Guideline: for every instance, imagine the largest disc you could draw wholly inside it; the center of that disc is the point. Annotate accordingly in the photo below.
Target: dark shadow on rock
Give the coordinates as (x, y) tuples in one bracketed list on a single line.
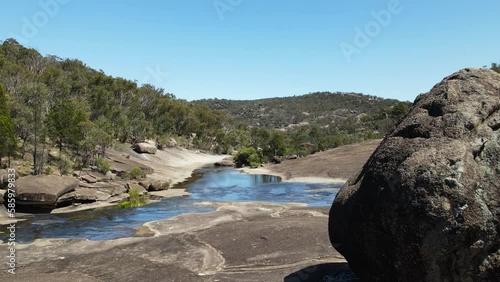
[(327, 272)]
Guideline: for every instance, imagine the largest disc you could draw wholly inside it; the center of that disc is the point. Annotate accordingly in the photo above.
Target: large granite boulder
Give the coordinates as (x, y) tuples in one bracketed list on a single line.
[(145, 148), (43, 190), (426, 204)]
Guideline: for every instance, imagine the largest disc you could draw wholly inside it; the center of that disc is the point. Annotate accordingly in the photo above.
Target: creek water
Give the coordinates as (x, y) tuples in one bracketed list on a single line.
[(206, 185)]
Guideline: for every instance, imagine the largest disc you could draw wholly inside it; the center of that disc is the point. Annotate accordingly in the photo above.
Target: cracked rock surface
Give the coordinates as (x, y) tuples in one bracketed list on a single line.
[(426, 203), (237, 242)]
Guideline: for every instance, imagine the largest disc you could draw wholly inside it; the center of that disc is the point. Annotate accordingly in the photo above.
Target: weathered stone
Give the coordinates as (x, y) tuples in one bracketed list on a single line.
[(100, 177), (89, 179), (83, 195), (310, 147), (172, 143), (227, 162), (159, 185), (54, 155), (243, 242), (44, 190), (145, 183), (135, 186), (145, 148), (276, 160), (155, 185), (426, 204), (110, 176), (122, 166), (118, 198)]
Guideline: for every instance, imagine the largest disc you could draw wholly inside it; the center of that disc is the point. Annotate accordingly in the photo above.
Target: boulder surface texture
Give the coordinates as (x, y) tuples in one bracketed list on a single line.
[(145, 148), (426, 204), (44, 190)]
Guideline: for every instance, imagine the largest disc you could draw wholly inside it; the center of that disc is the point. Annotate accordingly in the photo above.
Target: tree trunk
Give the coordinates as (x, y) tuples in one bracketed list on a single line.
[(35, 150)]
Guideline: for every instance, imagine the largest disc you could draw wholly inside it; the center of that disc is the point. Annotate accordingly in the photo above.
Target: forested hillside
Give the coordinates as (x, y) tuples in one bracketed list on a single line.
[(313, 122), (321, 108), (63, 103)]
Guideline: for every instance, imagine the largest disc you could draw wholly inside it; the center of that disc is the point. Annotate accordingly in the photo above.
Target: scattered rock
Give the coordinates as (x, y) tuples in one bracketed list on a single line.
[(89, 179), (43, 190), (143, 231), (227, 162), (54, 155), (151, 142), (172, 143), (313, 149), (276, 160), (155, 185), (135, 186), (159, 185), (118, 198), (110, 176), (145, 183), (145, 148), (82, 195), (426, 204)]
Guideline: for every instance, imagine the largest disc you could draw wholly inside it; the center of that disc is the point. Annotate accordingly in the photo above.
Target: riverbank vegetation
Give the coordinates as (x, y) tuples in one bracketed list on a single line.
[(62, 114), (135, 200)]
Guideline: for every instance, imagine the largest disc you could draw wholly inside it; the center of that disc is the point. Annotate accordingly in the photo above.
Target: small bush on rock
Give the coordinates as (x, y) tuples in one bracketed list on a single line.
[(102, 165), (136, 200)]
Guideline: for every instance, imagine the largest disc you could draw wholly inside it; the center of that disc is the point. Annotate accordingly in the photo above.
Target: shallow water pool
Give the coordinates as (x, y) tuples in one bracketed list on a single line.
[(207, 184)]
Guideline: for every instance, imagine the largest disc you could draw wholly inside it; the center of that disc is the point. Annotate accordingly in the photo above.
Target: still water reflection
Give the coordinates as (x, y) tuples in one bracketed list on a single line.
[(209, 184)]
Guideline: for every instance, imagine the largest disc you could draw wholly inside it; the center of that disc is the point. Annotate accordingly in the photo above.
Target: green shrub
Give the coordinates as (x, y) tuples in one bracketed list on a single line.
[(135, 200), (102, 165), (65, 166), (136, 173), (125, 205), (49, 170), (248, 157)]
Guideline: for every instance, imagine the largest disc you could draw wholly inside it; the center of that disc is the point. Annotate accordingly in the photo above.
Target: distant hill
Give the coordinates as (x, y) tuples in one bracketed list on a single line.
[(324, 109)]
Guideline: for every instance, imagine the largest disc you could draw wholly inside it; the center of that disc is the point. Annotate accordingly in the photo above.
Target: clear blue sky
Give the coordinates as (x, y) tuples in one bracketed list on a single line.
[(262, 48)]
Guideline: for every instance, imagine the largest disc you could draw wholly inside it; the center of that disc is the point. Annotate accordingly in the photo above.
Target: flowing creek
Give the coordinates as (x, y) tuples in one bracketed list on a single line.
[(206, 185)]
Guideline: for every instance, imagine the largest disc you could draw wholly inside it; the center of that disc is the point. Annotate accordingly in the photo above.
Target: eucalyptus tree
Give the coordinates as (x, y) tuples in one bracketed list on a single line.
[(7, 139)]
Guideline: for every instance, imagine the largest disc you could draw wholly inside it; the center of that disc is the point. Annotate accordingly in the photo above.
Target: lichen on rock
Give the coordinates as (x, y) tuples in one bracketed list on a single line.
[(426, 204)]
